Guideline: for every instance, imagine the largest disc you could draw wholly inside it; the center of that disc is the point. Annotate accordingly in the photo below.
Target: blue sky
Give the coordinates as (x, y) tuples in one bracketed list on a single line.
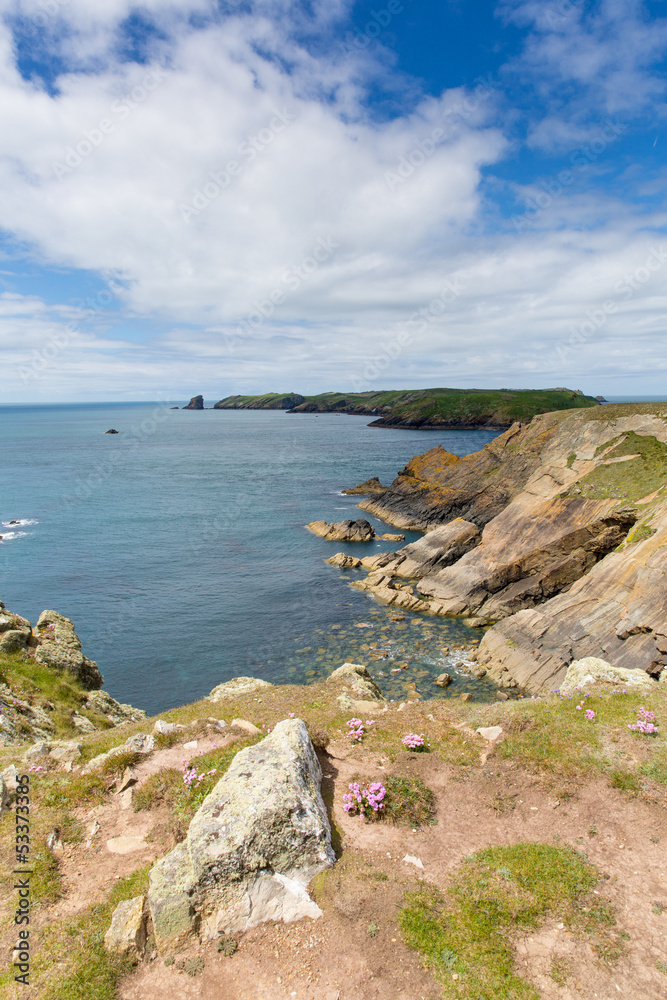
[(218, 197)]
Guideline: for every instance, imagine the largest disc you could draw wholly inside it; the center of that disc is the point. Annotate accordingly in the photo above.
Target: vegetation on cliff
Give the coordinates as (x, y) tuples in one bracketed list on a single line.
[(423, 408)]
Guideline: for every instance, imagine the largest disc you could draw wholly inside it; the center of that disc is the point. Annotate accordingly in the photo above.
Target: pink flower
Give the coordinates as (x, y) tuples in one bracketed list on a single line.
[(590, 714)]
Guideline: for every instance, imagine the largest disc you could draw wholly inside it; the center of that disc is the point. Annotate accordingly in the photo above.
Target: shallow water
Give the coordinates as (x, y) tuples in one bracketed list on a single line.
[(178, 546)]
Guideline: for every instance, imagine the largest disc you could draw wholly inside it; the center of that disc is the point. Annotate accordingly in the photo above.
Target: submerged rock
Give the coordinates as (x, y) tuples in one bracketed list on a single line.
[(257, 840), (344, 531)]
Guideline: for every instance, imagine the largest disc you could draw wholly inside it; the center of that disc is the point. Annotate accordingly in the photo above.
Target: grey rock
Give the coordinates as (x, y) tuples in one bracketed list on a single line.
[(60, 649), (164, 728), (117, 713), (4, 796), (36, 753), (358, 682), (238, 686), (252, 847), (245, 727), (14, 641), (83, 724), (65, 753), (591, 670), (127, 934)]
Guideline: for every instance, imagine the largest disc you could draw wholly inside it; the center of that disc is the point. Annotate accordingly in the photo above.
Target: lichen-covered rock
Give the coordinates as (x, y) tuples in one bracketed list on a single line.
[(139, 743), (65, 753), (14, 640), (252, 847), (115, 712), (356, 680), (164, 728), (60, 648), (83, 724), (127, 934), (344, 531), (591, 670), (238, 686)]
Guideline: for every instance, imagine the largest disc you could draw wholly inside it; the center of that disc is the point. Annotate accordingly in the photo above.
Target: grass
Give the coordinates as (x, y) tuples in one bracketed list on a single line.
[(424, 407), (629, 480), (74, 964), (496, 892), (409, 801)]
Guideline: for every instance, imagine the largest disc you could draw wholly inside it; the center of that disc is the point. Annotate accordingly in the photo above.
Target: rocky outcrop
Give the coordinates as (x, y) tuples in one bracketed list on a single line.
[(529, 552), (358, 691), (368, 488), (60, 648), (238, 686), (591, 672), (196, 403), (257, 840), (114, 711), (344, 531), (343, 561), (15, 631)]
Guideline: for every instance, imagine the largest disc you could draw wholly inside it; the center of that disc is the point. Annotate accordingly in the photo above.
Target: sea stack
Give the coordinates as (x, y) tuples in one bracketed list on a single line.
[(196, 403)]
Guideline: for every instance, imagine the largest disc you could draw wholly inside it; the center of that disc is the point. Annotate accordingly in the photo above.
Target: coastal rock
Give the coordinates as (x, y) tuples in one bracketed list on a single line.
[(14, 641), (60, 648), (20, 720), (591, 671), (252, 847), (249, 728), (65, 753), (83, 724), (164, 728), (356, 680), (115, 712), (393, 538), (196, 403), (127, 934), (344, 531), (443, 680), (343, 561), (238, 686), (368, 488), (111, 431)]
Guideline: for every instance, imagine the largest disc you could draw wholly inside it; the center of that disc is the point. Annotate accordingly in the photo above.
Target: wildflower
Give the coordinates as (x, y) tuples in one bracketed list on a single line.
[(589, 714), (367, 801), (579, 707), (414, 741), (290, 715), (646, 723)]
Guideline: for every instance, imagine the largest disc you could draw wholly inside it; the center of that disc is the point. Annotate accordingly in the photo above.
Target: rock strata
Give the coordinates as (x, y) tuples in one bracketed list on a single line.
[(257, 840), (344, 531)]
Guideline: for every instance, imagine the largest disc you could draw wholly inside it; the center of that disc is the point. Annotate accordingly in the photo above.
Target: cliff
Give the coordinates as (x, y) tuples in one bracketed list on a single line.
[(572, 559), (427, 409)]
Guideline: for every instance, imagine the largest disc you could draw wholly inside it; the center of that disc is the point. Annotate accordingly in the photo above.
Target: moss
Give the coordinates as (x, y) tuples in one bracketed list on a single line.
[(571, 459), (496, 892)]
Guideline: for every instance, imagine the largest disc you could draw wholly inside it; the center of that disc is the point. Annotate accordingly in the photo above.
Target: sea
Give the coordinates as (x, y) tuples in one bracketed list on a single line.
[(178, 546)]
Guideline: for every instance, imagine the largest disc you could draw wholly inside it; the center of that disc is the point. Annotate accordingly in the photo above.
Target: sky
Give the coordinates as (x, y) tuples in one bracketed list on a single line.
[(236, 196)]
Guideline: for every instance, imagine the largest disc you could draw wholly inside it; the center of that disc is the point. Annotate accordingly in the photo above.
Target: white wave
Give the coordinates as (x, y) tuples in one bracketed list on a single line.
[(8, 536)]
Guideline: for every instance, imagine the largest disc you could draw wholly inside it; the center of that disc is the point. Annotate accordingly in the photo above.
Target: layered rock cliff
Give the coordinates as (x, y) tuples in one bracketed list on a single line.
[(572, 558)]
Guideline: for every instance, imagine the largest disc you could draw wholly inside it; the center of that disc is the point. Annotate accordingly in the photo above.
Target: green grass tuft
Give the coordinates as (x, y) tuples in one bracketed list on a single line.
[(409, 801), (495, 892)]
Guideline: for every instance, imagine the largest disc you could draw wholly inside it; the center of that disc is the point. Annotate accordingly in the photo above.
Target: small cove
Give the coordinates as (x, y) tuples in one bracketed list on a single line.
[(178, 546)]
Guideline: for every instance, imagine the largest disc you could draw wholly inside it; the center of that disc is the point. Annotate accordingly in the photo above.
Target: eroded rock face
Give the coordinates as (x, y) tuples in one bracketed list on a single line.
[(344, 531), (252, 847), (60, 648)]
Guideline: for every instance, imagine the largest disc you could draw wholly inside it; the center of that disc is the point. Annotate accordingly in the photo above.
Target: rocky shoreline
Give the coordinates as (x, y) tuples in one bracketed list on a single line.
[(554, 534)]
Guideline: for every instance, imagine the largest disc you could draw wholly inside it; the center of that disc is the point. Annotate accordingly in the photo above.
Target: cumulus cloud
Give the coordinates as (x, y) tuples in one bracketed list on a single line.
[(237, 193)]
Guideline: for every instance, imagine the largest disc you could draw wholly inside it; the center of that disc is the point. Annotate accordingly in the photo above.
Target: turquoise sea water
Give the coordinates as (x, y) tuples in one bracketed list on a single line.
[(178, 545)]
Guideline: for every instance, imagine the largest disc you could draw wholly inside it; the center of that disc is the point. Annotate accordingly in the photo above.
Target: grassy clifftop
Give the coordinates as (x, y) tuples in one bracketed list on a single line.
[(423, 408)]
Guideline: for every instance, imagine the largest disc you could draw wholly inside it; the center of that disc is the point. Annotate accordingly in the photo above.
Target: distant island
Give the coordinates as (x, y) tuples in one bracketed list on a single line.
[(427, 409)]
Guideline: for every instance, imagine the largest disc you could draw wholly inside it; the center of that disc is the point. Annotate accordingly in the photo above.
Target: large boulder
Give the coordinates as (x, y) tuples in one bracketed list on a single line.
[(593, 671), (344, 531), (358, 691), (60, 648), (252, 847)]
